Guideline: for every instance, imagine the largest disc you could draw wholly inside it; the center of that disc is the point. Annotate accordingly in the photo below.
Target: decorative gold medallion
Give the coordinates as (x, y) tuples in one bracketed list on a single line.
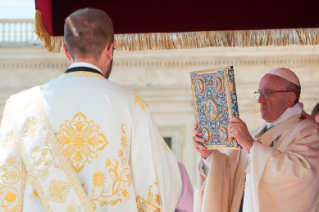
[(200, 85), (58, 191), (206, 134), (30, 127), (223, 134), (218, 84), (81, 141), (211, 109)]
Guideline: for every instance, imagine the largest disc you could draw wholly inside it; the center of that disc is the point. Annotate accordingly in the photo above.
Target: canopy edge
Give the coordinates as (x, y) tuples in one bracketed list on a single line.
[(193, 40)]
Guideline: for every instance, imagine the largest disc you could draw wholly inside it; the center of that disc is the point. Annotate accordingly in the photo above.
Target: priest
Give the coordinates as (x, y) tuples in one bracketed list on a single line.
[(278, 167), (81, 142)]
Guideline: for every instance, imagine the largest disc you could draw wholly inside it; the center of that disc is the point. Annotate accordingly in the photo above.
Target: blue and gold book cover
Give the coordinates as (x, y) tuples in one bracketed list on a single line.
[(215, 100)]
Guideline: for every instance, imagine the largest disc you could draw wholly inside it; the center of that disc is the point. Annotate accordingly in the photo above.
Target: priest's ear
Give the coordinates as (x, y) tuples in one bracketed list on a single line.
[(67, 53), (291, 99), (109, 51)]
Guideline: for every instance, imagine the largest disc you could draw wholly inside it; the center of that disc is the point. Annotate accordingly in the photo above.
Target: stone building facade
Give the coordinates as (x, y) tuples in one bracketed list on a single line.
[(162, 79)]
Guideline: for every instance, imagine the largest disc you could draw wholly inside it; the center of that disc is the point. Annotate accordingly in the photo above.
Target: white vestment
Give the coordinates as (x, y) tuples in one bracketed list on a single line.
[(283, 178), (82, 143)]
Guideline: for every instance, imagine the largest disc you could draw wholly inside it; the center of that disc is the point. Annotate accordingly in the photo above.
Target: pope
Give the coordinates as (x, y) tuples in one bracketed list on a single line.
[(277, 168)]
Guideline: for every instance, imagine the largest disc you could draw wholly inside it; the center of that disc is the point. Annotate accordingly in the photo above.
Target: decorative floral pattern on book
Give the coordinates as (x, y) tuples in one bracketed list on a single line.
[(215, 100)]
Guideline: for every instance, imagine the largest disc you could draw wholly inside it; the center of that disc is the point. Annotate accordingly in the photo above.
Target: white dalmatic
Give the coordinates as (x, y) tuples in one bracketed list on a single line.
[(82, 143)]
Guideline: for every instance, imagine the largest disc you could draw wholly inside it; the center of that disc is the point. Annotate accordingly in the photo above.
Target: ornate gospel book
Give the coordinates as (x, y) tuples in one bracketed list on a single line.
[(215, 101)]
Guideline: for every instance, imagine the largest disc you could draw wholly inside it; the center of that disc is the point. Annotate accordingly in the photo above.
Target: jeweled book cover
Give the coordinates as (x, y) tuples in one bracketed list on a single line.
[(215, 99)]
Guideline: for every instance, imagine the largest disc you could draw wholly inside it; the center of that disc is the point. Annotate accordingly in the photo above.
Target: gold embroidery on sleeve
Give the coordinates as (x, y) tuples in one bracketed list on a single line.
[(34, 196), (10, 175), (58, 191), (119, 177), (73, 208), (140, 101), (8, 141), (30, 127), (42, 159), (80, 141), (152, 204)]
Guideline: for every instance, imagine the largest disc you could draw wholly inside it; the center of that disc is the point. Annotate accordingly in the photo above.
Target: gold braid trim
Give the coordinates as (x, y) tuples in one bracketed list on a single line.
[(193, 40), (51, 43)]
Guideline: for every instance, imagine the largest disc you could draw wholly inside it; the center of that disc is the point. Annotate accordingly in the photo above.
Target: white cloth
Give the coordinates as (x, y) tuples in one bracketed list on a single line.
[(283, 178), (248, 201), (109, 138)]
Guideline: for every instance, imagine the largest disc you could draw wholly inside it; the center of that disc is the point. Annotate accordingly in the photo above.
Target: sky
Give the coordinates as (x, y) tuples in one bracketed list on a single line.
[(17, 9)]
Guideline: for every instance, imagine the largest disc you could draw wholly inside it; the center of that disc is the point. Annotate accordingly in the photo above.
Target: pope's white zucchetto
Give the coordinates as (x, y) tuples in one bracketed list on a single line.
[(287, 74)]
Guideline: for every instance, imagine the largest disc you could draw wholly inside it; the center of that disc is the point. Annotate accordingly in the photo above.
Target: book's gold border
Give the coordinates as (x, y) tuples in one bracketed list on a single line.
[(228, 85)]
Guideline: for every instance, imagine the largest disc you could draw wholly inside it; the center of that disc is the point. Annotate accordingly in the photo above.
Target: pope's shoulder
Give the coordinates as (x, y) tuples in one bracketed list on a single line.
[(307, 122)]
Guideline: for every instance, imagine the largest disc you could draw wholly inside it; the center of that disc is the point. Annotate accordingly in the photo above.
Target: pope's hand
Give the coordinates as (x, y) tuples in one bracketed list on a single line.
[(238, 130), (197, 140)]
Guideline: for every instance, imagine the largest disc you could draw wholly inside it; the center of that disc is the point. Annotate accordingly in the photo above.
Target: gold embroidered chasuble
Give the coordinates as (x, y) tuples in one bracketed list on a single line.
[(82, 143), (284, 178)]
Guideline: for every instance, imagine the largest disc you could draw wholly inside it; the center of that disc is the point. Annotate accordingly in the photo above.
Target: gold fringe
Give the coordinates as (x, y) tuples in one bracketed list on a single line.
[(51, 43), (194, 40)]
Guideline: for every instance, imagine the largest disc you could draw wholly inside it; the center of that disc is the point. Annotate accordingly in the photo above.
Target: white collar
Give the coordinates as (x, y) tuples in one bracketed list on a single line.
[(84, 64), (296, 109)]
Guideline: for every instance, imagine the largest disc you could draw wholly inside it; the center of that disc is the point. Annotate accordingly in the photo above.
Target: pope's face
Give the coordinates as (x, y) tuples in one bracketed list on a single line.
[(276, 104)]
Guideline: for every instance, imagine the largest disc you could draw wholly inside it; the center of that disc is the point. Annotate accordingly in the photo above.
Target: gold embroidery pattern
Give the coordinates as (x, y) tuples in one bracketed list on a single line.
[(20, 144), (34, 195), (166, 146), (8, 141), (64, 165), (120, 178), (10, 175), (23, 183), (67, 169), (82, 74), (80, 141), (30, 127), (152, 204), (58, 191), (98, 179), (42, 159), (140, 101), (73, 208)]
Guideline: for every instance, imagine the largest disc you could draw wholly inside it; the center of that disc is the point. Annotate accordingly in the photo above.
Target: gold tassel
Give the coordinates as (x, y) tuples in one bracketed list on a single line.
[(193, 40), (51, 43)]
